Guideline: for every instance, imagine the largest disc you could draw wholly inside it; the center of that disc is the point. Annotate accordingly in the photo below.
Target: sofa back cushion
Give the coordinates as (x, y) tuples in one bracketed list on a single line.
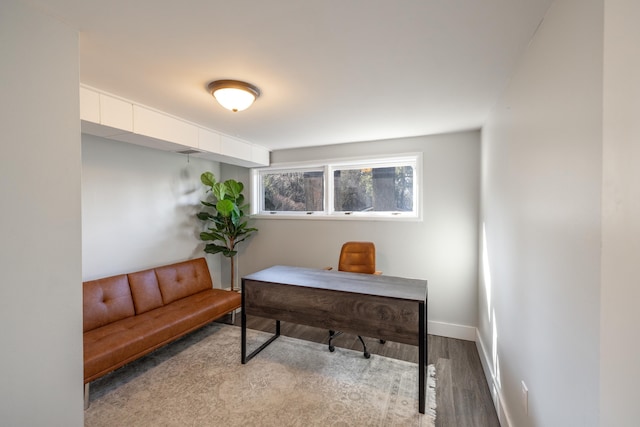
[(105, 301), (183, 279), (145, 290)]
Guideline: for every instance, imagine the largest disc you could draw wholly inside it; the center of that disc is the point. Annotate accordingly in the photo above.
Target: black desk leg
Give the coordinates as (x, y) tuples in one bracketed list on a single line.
[(243, 333), (243, 340), (422, 357), (246, 357)]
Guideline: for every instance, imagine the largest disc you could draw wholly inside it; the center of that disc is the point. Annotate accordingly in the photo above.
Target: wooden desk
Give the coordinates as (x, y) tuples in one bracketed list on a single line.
[(384, 307)]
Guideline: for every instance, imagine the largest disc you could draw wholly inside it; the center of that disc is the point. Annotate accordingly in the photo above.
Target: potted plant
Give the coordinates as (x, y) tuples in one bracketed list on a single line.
[(226, 220)]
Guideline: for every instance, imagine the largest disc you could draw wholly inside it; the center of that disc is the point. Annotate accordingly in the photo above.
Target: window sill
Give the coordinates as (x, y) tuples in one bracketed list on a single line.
[(321, 217)]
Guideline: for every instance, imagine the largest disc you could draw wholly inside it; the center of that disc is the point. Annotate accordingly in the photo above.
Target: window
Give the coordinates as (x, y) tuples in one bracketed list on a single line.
[(380, 189), (292, 191), (384, 187)]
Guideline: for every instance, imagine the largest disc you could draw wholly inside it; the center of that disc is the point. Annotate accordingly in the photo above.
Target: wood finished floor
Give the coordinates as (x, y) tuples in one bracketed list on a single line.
[(462, 394)]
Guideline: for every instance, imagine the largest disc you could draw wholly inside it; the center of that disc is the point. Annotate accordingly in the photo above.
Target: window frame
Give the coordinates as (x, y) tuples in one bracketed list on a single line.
[(257, 199), (328, 167)]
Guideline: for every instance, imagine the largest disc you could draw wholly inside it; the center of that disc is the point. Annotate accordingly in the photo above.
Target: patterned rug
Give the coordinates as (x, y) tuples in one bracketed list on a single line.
[(199, 381)]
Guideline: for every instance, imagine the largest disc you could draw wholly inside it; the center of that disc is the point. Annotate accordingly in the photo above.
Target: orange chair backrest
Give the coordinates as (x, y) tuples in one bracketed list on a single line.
[(358, 257)]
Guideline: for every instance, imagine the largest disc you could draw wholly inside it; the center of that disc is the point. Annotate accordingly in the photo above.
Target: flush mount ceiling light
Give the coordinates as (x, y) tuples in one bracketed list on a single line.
[(234, 95)]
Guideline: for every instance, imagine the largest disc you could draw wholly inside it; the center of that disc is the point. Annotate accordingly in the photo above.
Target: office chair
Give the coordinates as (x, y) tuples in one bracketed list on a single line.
[(356, 257)]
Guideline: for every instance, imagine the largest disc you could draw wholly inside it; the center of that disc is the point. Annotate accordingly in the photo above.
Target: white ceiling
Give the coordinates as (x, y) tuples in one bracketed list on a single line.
[(330, 71)]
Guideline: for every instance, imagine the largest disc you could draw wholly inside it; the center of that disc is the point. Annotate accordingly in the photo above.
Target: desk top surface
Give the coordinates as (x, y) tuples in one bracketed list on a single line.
[(366, 284)]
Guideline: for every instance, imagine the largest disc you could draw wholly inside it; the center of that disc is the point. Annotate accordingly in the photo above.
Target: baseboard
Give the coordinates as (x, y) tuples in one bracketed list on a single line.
[(450, 330), (494, 387)]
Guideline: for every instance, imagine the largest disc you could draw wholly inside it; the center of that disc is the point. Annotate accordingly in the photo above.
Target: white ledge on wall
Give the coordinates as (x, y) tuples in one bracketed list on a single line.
[(108, 116)]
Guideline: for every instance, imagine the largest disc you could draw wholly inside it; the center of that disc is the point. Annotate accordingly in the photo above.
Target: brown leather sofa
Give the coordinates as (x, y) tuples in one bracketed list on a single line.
[(129, 315)]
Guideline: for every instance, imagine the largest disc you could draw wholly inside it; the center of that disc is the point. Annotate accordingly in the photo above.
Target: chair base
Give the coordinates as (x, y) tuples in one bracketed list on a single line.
[(332, 348)]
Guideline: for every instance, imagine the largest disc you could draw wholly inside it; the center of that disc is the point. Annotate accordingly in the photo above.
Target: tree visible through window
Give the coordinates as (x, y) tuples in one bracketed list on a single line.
[(384, 189), (293, 191), (377, 187)]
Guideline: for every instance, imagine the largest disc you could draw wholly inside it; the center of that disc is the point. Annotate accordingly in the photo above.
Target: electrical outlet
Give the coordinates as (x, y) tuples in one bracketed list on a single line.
[(525, 398)]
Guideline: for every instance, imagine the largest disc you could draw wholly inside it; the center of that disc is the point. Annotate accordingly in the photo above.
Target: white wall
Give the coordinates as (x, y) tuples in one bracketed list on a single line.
[(542, 168), (138, 208), (441, 248), (40, 294), (620, 293)]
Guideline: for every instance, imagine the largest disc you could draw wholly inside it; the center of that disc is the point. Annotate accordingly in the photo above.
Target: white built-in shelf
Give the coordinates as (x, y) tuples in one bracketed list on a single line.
[(111, 117)]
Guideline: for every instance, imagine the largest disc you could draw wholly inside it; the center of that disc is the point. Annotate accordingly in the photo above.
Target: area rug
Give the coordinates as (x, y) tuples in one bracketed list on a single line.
[(199, 381)]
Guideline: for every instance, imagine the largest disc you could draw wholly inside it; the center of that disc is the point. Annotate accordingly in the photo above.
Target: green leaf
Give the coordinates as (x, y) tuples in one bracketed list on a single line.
[(234, 188), (211, 236), (217, 234), (242, 239), (225, 207), (211, 205), (208, 179), (229, 253), (245, 232), (204, 216), (214, 249), (219, 190), (236, 213), (250, 230)]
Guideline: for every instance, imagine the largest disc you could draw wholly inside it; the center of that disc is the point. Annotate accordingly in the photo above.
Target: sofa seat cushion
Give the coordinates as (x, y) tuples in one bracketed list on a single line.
[(116, 344)]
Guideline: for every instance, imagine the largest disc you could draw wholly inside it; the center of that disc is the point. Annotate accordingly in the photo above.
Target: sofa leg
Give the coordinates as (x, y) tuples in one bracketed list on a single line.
[(86, 396)]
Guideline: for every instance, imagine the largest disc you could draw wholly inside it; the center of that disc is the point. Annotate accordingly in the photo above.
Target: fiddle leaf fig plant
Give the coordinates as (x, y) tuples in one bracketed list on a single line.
[(226, 218)]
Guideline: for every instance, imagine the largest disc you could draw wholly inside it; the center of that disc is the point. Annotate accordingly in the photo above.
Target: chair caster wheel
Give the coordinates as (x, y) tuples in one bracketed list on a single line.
[(383, 341), (332, 348), (367, 355)]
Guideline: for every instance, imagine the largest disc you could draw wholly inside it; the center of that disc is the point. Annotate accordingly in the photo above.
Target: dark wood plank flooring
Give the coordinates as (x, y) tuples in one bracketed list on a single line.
[(462, 395)]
